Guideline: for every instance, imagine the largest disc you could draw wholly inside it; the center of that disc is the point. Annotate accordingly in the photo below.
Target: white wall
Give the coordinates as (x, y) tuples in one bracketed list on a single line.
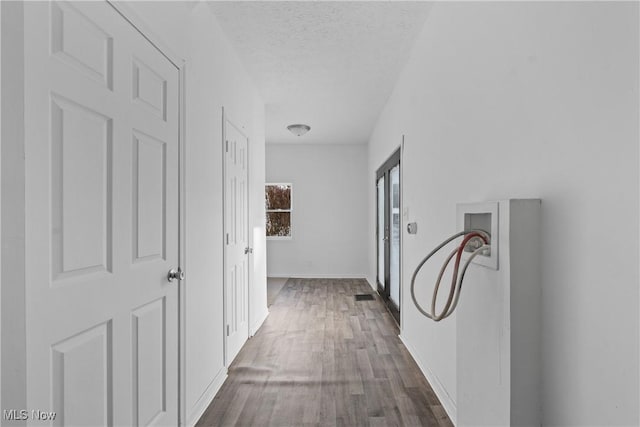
[(522, 100), (215, 78), (329, 219)]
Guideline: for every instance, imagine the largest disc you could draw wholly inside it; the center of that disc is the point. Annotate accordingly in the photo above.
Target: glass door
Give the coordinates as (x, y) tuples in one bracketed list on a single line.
[(388, 233)]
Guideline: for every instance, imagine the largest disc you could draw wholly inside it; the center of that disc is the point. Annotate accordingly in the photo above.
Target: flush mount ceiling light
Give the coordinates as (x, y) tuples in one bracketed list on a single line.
[(298, 130)]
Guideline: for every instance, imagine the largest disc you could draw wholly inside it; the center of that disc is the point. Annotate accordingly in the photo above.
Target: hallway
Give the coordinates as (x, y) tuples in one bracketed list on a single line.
[(140, 141), (322, 358)]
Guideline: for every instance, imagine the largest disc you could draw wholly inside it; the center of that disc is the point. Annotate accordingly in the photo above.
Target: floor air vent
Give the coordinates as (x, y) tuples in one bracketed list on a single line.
[(364, 297)]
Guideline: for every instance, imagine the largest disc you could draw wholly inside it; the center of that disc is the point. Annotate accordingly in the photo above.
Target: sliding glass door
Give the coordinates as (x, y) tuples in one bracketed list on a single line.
[(388, 233)]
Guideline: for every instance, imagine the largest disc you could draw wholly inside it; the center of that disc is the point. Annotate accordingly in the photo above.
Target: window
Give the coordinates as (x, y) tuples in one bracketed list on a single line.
[(278, 206)]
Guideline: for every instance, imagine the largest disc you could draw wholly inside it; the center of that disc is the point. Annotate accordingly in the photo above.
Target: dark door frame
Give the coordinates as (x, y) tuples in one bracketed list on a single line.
[(384, 284)]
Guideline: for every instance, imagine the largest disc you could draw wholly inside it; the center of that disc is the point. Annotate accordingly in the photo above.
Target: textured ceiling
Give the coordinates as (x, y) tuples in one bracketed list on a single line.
[(331, 65)]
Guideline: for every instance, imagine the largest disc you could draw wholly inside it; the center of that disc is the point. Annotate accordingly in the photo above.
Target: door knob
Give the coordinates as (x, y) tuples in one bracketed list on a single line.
[(175, 274), (248, 250)]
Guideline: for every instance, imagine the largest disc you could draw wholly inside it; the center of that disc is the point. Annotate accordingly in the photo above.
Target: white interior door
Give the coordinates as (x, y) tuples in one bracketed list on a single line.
[(236, 241), (101, 144)]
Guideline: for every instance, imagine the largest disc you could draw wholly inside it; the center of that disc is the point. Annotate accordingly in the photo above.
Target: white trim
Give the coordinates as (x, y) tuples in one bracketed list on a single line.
[(225, 362), (143, 28), (638, 64), (249, 240), (278, 183), (225, 121), (403, 227), (13, 369), (319, 276), (290, 210), (206, 398), (259, 322), (369, 283), (182, 243), (1, 407), (448, 403)]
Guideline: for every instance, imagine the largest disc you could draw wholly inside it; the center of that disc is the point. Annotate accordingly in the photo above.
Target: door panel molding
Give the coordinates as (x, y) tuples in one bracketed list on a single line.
[(181, 65), (116, 300)]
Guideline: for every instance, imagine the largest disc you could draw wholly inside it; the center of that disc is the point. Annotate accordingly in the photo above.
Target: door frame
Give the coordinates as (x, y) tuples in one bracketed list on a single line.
[(180, 63), (381, 286), (1, 206), (225, 120), (13, 364)]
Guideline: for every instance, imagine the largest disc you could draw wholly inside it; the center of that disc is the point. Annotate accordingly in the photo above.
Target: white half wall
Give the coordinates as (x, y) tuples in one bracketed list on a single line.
[(329, 218), (530, 100)]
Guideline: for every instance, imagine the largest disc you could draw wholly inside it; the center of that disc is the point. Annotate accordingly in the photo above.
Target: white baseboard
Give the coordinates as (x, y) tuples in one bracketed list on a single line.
[(318, 276), (256, 325), (370, 284), (205, 399), (447, 401)]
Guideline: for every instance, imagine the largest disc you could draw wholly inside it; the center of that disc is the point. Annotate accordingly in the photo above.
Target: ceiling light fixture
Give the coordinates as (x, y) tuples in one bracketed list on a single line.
[(298, 130)]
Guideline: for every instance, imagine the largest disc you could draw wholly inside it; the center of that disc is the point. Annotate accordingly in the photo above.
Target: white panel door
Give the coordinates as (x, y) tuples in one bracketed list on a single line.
[(236, 241), (102, 219)]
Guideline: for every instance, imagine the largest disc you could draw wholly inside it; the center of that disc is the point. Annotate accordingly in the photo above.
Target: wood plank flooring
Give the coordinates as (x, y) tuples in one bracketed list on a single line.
[(274, 286), (323, 359)]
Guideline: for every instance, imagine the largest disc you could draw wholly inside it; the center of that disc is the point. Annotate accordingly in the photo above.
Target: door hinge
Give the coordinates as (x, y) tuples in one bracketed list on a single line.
[(226, 145), (227, 238), (227, 330)]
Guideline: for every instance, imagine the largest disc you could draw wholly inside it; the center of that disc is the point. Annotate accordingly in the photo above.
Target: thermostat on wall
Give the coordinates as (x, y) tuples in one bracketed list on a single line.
[(412, 228)]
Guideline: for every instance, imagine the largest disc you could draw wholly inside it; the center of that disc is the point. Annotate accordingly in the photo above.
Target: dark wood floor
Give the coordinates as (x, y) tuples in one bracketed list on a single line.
[(322, 358)]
